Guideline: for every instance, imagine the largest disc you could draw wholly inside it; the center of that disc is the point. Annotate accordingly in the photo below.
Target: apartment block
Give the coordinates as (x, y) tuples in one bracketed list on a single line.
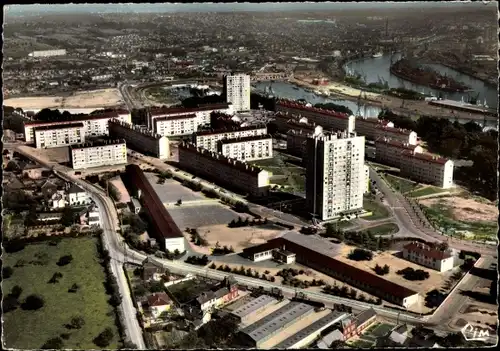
[(367, 127), (208, 139), (59, 135), (93, 125), (176, 125), (367, 178), (403, 135), (328, 119), (335, 174), (248, 148), (202, 113), (140, 139), (389, 152), (48, 53), (237, 91), (296, 141), (427, 256), (427, 168), (223, 170), (98, 154)]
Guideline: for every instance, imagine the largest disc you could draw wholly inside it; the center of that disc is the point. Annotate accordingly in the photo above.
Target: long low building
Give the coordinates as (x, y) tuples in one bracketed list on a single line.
[(98, 154), (265, 328), (389, 152), (176, 125), (208, 139), (427, 168), (368, 127), (253, 307), (167, 233), (319, 254), (93, 124), (224, 171), (246, 149), (404, 135), (140, 139), (49, 136)]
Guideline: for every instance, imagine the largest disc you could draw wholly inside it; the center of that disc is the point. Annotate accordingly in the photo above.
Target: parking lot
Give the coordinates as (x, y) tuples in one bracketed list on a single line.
[(202, 215), (172, 190)]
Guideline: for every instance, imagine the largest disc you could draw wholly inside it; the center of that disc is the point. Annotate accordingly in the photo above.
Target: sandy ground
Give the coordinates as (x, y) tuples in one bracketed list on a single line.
[(124, 195), (466, 209), (239, 238), (93, 98)]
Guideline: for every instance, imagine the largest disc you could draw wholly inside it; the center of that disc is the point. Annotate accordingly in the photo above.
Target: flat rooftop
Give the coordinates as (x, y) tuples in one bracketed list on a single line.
[(254, 305), (314, 243)]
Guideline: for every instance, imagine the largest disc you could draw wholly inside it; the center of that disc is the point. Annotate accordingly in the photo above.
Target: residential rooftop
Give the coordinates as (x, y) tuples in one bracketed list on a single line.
[(425, 157), (228, 130), (143, 131), (97, 143), (53, 126), (245, 139)]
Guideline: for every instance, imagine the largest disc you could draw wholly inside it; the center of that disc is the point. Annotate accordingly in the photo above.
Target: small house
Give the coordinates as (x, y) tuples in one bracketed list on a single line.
[(158, 303)]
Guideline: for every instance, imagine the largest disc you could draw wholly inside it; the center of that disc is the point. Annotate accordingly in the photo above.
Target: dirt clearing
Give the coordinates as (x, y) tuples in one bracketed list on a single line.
[(466, 209)]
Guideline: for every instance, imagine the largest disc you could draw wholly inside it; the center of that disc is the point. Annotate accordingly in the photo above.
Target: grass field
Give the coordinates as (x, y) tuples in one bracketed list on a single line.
[(378, 210), (383, 229), (31, 329), (279, 165), (400, 184), (381, 329), (430, 190)]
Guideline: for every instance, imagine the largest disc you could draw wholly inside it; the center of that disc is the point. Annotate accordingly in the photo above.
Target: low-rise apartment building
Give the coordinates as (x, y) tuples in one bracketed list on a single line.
[(427, 168), (98, 153), (223, 170), (403, 135), (427, 256), (176, 125), (328, 119), (389, 152), (59, 135), (248, 148), (208, 139), (93, 125), (140, 139), (296, 140), (202, 113), (368, 126)]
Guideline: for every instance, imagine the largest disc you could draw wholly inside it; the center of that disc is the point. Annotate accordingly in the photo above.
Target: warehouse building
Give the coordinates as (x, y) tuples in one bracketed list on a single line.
[(93, 125), (55, 135), (208, 139), (427, 168), (274, 323), (167, 233), (306, 336), (202, 113), (390, 152), (224, 171), (246, 149), (98, 153), (253, 307), (140, 139), (319, 254)]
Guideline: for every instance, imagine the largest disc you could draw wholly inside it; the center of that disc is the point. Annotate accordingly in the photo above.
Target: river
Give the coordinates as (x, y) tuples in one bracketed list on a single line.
[(375, 69)]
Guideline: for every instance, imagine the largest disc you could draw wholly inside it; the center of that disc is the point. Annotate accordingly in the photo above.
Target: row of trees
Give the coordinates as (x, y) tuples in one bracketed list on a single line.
[(246, 222), (199, 261), (350, 293), (362, 238), (224, 250), (379, 270), (413, 274), (246, 272), (196, 238)]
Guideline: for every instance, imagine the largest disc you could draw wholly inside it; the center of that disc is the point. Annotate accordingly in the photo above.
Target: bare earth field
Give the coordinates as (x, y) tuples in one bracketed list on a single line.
[(124, 195), (466, 209), (95, 98)]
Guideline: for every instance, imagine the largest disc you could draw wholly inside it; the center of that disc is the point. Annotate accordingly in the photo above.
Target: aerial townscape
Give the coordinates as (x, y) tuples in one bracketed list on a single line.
[(237, 175)]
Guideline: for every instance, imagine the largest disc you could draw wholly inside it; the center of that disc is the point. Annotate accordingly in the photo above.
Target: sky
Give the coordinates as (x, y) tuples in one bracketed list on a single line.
[(21, 10)]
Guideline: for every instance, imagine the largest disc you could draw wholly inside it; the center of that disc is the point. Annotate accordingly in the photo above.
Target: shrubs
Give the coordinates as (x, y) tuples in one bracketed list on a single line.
[(360, 255), (55, 278), (64, 260), (349, 293), (33, 302), (199, 261), (308, 230), (196, 237), (246, 222), (104, 338), (434, 298), (7, 272), (53, 343), (381, 270), (413, 274), (217, 250), (74, 288)]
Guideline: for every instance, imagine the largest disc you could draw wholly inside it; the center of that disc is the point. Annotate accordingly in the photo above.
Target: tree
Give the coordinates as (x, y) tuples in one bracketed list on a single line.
[(9, 303), (53, 343), (77, 322), (33, 302), (104, 338), (68, 217), (74, 288), (360, 255), (179, 202), (64, 260), (16, 291), (7, 272)]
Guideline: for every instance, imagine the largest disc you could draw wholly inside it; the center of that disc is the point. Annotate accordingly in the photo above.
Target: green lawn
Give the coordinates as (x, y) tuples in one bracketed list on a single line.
[(378, 210), (430, 190), (383, 229), (381, 329), (278, 166), (400, 184), (361, 344), (30, 329)]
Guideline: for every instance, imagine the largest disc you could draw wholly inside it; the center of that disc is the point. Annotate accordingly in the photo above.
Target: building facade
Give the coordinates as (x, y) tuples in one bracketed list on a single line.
[(59, 135), (209, 139), (424, 255), (427, 168), (93, 125), (97, 154), (296, 141), (335, 174), (367, 127), (176, 125), (223, 170), (389, 152), (247, 149), (140, 139), (48, 53), (237, 91), (398, 134)]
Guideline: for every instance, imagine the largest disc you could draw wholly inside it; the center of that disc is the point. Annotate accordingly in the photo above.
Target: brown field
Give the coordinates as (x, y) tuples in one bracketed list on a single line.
[(124, 195), (85, 99), (466, 209)]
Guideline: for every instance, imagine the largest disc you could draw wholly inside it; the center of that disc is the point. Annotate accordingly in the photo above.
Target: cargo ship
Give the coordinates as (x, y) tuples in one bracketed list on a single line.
[(404, 69)]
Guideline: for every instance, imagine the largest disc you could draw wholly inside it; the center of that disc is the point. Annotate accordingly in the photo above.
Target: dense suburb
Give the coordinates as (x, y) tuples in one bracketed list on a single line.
[(33, 267)]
